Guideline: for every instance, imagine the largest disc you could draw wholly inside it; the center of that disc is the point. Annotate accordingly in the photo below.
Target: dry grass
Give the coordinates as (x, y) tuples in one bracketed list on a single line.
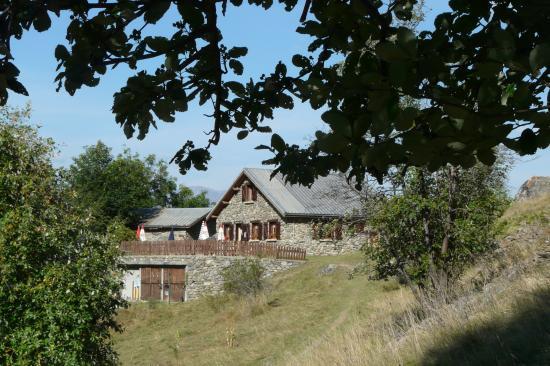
[(502, 316), (300, 306), (306, 319)]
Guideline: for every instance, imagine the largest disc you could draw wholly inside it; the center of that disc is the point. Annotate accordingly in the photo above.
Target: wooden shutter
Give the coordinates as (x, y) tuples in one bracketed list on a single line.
[(338, 232), (265, 231), (254, 193), (243, 192), (278, 230)]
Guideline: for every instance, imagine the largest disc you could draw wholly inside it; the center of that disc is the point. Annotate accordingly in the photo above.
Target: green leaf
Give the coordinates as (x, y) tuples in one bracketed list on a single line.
[(262, 147), (235, 87), (171, 61), (42, 21), (277, 142), (334, 116), (527, 142), (61, 52), (486, 156), (300, 61), (456, 145), (540, 57), (158, 44), (407, 40), (333, 143), (455, 111), (236, 66), (156, 10), (164, 109), (487, 93), (405, 120), (242, 134), (236, 52), (390, 52), (190, 14), (338, 122), (17, 87)]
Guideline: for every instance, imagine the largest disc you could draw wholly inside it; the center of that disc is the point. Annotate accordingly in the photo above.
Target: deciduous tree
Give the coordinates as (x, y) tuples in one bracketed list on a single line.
[(59, 279), (481, 75), (114, 187), (438, 223)]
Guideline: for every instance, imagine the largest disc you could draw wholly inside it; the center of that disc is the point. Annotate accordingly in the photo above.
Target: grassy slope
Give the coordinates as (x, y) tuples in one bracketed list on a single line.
[(300, 306), (308, 319)]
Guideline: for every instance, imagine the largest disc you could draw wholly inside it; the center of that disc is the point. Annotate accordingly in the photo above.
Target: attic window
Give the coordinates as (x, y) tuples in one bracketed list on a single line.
[(248, 193)]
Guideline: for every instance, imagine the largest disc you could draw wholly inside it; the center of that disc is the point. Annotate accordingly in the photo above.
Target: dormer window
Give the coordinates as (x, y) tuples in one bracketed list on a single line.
[(248, 192)]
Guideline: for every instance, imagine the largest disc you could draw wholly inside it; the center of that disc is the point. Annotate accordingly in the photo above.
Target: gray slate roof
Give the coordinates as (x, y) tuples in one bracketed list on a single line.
[(172, 217), (329, 196)]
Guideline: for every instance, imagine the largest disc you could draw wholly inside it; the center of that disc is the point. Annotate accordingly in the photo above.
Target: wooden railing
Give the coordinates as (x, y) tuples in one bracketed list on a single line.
[(212, 247)]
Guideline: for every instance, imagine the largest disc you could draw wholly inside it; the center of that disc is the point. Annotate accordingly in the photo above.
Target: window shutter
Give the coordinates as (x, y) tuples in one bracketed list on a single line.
[(254, 193), (338, 232), (243, 192), (278, 230), (265, 231), (314, 232)]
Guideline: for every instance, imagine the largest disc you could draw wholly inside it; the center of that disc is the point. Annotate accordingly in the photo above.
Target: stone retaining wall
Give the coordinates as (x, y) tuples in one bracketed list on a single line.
[(203, 273)]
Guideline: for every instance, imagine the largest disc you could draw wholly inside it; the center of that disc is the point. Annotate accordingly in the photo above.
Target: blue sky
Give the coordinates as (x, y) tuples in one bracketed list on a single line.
[(74, 122)]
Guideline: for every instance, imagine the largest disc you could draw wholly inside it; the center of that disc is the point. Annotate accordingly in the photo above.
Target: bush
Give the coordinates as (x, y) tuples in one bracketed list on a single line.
[(117, 231), (244, 277)]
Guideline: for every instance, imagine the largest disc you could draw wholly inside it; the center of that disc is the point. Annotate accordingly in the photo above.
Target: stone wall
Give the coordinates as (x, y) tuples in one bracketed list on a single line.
[(299, 233), (180, 234), (203, 273), (155, 235), (238, 211), (294, 232)]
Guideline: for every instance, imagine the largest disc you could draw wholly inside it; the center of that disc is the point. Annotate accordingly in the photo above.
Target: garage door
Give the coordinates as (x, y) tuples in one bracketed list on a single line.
[(163, 283)]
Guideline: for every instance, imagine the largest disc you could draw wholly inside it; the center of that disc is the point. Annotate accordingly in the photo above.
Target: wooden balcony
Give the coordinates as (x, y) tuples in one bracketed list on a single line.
[(212, 247)]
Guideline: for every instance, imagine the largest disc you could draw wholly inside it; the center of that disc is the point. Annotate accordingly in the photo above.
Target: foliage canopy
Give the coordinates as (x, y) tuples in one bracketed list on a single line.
[(438, 223), (115, 186), (59, 283), (480, 76)]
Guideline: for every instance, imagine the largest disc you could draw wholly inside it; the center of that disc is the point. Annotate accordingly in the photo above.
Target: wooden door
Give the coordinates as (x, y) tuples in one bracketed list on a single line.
[(173, 284), (150, 283)]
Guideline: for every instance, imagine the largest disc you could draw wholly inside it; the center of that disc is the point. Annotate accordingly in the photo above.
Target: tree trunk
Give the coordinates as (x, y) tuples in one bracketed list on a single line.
[(453, 182), (425, 213)]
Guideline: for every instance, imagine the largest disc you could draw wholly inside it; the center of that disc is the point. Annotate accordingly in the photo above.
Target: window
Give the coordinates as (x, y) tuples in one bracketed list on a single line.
[(273, 230), (256, 233), (248, 193), (242, 232), (228, 232)]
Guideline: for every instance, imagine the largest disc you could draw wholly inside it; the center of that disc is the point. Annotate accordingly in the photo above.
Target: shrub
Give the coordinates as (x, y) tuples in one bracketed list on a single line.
[(244, 277)]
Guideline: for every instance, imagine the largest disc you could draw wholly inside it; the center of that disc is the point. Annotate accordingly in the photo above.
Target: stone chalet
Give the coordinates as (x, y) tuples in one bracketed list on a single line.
[(256, 213), (257, 207)]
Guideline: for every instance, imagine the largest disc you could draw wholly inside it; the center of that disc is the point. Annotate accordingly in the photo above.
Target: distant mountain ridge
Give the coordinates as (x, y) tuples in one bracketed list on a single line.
[(212, 194)]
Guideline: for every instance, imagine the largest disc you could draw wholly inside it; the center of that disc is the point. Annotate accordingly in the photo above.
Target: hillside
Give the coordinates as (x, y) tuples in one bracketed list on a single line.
[(319, 315)]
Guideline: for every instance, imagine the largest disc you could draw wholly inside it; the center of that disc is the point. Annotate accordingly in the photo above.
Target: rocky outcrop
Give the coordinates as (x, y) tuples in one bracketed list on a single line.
[(534, 187)]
